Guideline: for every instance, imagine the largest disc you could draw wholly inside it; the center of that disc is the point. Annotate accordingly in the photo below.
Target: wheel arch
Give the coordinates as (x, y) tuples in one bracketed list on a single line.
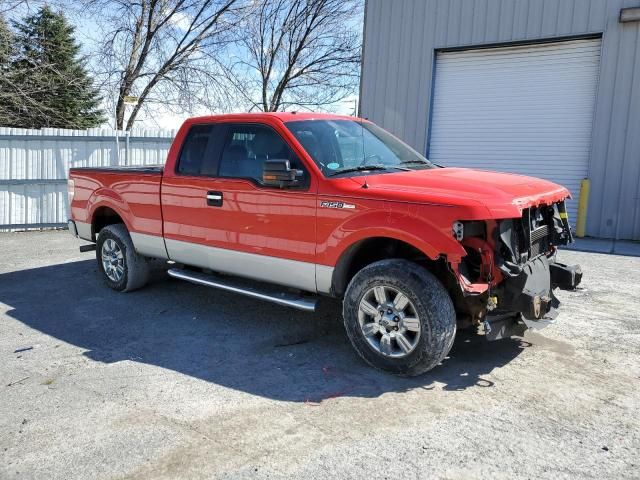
[(106, 207), (104, 214), (372, 249)]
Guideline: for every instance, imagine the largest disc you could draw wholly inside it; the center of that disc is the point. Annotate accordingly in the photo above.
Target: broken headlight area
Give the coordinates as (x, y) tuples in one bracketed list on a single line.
[(526, 258), (510, 272), (539, 231), (478, 264)]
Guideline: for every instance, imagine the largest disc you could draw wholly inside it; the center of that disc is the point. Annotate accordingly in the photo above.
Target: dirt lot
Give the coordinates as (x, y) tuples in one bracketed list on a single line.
[(179, 381)]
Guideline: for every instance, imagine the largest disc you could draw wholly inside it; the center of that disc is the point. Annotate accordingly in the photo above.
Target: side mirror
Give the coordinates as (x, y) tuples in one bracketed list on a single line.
[(278, 173)]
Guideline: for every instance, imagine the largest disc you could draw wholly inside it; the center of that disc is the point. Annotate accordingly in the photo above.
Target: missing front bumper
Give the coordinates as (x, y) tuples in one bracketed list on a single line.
[(565, 277), (526, 300), (497, 327), (530, 292)]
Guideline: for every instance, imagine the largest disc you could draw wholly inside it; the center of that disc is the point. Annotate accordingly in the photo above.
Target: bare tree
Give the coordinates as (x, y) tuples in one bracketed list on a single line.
[(153, 49), (10, 8), (9, 5), (302, 53)]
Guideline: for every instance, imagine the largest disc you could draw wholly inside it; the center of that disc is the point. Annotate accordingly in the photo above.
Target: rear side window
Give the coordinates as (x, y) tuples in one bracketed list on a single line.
[(196, 153)]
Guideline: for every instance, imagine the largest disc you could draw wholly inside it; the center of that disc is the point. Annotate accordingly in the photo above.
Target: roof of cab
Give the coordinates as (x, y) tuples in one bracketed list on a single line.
[(283, 116)]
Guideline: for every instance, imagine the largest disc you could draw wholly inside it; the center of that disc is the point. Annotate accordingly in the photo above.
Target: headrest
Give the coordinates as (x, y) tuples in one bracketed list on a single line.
[(267, 144), (236, 153)]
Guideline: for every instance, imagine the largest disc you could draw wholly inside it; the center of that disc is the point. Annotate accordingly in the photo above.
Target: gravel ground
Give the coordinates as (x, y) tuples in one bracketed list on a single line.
[(179, 381)]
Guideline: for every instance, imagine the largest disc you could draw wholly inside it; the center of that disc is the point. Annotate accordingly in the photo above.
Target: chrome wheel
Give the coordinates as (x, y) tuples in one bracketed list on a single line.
[(389, 321), (112, 260)]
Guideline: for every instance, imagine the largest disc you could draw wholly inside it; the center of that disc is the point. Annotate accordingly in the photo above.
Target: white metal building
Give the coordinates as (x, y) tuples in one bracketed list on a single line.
[(548, 88)]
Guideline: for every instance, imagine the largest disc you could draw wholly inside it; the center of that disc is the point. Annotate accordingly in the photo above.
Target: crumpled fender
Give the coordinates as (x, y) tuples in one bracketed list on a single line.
[(428, 231)]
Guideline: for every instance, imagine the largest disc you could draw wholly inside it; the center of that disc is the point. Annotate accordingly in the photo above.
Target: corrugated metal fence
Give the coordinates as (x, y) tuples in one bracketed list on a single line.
[(34, 165)]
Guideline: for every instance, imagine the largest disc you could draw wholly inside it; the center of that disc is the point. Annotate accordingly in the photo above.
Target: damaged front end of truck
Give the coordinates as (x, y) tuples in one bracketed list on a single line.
[(510, 272)]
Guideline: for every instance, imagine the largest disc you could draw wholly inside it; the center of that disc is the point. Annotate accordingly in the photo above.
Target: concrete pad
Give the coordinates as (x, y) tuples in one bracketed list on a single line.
[(603, 245), (179, 381)]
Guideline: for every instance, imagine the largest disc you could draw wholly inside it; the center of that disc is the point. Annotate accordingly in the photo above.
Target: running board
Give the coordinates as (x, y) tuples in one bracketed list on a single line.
[(281, 298)]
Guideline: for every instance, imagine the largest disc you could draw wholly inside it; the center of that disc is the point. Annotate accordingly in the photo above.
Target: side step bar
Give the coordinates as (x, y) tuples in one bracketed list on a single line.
[(281, 298)]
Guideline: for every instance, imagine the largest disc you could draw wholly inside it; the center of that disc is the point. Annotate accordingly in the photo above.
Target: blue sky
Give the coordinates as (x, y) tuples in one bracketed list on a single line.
[(88, 33)]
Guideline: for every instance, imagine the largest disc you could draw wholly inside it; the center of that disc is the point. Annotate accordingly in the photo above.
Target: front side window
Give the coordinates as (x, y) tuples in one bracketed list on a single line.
[(247, 147), (343, 147)]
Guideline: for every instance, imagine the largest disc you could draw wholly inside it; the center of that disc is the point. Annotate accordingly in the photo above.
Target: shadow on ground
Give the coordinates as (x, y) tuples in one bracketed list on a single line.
[(227, 339)]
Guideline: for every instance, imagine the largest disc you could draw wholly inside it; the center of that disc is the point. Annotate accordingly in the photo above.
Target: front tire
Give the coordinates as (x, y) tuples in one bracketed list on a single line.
[(399, 317), (122, 268)]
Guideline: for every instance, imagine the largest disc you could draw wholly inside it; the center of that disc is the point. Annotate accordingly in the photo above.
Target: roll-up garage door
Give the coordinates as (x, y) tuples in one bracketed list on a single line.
[(525, 109)]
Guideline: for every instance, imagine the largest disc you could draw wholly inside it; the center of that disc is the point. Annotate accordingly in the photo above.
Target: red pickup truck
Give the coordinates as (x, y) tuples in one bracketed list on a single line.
[(305, 205)]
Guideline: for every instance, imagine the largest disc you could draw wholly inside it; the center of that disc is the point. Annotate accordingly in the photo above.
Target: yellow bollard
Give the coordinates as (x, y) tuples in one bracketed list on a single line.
[(583, 202)]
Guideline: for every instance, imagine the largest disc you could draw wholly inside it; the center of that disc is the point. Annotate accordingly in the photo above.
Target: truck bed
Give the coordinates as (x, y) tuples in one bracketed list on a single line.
[(133, 189)]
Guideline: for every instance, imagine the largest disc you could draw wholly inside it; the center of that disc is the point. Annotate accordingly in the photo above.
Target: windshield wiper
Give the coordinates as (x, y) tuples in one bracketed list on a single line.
[(415, 162), (361, 168)]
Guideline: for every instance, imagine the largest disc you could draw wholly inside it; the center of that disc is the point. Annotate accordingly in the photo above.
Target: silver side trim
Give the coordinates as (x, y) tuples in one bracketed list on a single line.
[(149, 245), (84, 231), (282, 271), (324, 278), (300, 303)]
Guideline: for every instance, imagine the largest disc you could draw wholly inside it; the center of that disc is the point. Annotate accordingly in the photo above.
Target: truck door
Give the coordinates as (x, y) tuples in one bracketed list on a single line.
[(218, 215)]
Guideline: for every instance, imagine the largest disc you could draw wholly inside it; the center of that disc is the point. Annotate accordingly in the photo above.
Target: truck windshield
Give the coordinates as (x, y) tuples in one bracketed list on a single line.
[(350, 147)]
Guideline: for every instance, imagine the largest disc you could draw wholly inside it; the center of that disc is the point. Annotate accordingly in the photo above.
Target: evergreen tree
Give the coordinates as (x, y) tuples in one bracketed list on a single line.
[(8, 108), (55, 89), (6, 42)]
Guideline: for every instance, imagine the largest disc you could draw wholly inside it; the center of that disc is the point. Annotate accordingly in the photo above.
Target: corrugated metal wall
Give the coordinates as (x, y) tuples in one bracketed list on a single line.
[(517, 109), (34, 165), (402, 36)]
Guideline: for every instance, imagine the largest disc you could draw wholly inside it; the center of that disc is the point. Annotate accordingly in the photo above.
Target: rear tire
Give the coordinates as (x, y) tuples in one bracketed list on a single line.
[(399, 317), (122, 268)]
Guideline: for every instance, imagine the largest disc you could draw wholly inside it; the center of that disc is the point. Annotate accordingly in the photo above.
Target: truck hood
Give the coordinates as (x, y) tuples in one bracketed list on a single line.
[(504, 194)]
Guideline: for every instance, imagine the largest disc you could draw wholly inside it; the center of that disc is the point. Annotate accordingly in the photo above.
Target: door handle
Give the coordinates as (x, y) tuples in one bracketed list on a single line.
[(214, 199)]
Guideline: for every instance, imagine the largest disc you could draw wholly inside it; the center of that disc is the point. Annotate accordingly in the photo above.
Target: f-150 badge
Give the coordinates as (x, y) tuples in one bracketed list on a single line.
[(326, 204)]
